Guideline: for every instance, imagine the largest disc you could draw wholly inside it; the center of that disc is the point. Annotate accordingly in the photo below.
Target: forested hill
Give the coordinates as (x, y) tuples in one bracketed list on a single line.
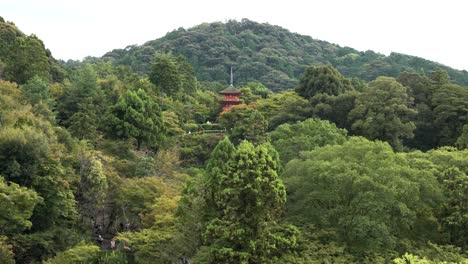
[(22, 56), (269, 54)]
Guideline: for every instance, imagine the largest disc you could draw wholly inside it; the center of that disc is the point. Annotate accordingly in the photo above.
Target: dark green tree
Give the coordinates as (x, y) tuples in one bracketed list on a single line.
[(285, 107), (382, 111), (136, 116), (421, 88), (243, 122), (165, 74), (450, 113), (80, 103), (322, 79), (246, 198)]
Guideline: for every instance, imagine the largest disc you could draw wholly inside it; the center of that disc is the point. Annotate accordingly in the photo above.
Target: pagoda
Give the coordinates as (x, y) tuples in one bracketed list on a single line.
[(231, 96)]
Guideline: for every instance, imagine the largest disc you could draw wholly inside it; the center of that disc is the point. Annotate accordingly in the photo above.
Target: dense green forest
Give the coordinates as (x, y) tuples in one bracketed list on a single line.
[(269, 54), (129, 159)]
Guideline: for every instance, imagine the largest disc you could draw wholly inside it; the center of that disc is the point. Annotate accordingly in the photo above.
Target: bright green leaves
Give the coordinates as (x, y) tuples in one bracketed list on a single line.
[(136, 116), (16, 207), (365, 191), (289, 140)]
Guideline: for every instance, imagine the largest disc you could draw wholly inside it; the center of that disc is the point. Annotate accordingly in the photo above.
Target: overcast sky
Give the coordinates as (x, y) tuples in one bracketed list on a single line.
[(73, 29)]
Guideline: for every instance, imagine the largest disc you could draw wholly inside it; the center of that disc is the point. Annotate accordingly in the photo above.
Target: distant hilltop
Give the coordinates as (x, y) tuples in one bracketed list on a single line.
[(269, 54)]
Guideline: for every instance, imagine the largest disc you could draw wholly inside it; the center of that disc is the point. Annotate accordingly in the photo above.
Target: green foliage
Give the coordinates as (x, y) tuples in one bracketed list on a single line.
[(334, 108), (22, 153), (80, 104), (93, 185), (6, 254), (150, 245), (16, 207), (137, 116), (307, 135), (285, 107), (450, 112), (136, 196), (322, 80), (243, 122), (38, 246), (372, 196), (196, 148), (81, 253), (23, 56), (462, 140), (383, 112), (268, 54), (36, 90), (253, 91), (245, 198), (165, 74), (113, 257)]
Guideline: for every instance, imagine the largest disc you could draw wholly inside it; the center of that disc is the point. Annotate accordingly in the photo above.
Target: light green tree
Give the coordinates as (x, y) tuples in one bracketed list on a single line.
[(372, 197), (16, 207), (290, 139)]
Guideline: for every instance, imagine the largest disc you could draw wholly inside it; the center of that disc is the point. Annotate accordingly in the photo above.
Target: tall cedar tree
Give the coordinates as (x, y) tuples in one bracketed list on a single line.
[(245, 198), (137, 116)]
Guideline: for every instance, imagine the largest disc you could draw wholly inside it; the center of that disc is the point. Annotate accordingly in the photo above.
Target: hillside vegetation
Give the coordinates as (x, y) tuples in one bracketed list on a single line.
[(108, 166), (269, 54)]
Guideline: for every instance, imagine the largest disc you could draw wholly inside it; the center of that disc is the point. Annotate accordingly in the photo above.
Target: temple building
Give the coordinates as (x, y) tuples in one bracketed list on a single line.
[(231, 98)]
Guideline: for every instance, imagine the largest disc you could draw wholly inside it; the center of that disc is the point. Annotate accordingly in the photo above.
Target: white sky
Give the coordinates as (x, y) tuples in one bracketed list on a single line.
[(73, 29)]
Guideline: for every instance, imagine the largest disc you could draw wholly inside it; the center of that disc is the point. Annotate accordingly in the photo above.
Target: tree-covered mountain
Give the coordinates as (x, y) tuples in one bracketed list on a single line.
[(23, 57), (104, 165), (270, 54)]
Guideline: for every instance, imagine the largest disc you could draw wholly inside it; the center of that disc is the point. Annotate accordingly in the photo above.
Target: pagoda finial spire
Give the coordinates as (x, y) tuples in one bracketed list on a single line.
[(232, 78)]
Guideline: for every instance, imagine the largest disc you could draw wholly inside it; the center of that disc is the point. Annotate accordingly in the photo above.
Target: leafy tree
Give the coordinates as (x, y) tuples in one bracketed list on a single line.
[(36, 90), (244, 122), (421, 88), (462, 140), (137, 116), (81, 253), (22, 153), (253, 91), (16, 207), (334, 108), (6, 254), (285, 107), (93, 186), (27, 58), (80, 103), (165, 74), (307, 135), (246, 197), (322, 79), (373, 197), (450, 112), (383, 112)]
